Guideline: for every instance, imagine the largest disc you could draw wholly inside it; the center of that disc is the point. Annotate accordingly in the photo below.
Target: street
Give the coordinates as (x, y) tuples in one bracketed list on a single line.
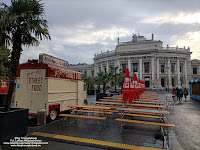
[(185, 136)]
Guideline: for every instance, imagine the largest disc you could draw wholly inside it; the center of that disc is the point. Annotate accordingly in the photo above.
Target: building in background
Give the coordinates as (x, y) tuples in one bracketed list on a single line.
[(150, 60), (85, 69)]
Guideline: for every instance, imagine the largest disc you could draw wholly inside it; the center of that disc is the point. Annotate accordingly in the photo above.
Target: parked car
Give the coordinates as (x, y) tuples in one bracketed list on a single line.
[(157, 89)]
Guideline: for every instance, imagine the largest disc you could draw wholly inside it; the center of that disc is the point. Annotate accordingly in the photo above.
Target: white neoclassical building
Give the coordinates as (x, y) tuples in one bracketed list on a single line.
[(153, 63)]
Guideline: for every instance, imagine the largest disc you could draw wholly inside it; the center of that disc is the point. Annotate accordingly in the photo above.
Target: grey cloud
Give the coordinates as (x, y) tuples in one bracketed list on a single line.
[(80, 18)]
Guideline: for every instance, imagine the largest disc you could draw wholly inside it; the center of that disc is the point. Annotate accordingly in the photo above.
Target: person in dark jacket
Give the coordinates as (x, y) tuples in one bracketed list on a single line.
[(180, 94), (174, 94), (177, 93), (185, 94)]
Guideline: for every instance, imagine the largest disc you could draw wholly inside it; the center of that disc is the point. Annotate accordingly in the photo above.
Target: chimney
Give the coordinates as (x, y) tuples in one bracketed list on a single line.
[(152, 37)]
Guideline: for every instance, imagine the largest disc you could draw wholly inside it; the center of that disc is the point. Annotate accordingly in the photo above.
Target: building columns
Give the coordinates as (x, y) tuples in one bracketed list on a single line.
[(118, 65), (169, 72), (152, 72), (140, 63), (158, 72), (186, 80), (178, 72), (129, 65), (101, 66), (95, 69), (107, 67)]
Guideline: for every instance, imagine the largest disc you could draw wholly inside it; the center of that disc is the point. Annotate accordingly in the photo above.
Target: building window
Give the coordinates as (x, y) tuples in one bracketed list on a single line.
[(173, 82), (92, 73), (85, 73), (163, 82), (99, 69), (172, 68), (124, 68), (195, 70), (180, 68), (147, 81), (162, 69), (135, 67), (146, 67), (105, 69)]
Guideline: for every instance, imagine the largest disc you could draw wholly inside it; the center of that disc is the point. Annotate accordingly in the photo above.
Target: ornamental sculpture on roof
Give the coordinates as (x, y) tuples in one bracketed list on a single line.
[(134, 38)]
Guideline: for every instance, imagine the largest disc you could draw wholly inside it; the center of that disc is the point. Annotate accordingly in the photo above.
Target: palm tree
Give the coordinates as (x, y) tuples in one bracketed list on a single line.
[(120, 79), (103, 78), (113, 77), (23, 22), (89, 82)]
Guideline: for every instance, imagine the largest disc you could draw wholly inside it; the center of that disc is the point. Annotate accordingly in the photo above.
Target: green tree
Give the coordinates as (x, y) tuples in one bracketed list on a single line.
[(103, 78), (4, 61), (113, 76), (120, 79), (89, 82), (4, 51), (24, 23)]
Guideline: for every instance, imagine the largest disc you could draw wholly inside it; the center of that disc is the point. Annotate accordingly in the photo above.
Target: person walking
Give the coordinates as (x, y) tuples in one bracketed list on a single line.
[(174, 95), (185, 94), (177, 90), (181, 94), (178, 95)]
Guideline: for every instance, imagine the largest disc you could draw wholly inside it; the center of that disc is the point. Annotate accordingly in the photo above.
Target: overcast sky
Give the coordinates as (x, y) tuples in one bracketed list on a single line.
[(81, 28)]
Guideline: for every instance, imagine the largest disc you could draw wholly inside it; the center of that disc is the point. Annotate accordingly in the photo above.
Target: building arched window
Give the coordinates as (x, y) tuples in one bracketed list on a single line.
[(162, 68), (172, 68), (173, 82), (163, 82), (195, 70)]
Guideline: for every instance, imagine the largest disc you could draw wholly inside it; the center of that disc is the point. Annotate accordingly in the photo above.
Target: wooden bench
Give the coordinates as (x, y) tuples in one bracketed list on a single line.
[(110, 100), (146, 105), (146, 122), (149, 100), (146, 113), (143, 111), (93, 111), (138, 115), (86, 117), (162, 125), (81, 116), (143, 108)]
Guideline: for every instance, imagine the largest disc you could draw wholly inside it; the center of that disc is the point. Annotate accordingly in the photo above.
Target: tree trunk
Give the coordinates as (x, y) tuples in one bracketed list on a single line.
[(104, 88), (15, 56), (115, 81)]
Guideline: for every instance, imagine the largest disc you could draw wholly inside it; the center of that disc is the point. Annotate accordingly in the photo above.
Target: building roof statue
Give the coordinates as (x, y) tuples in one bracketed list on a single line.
[(134, 38)]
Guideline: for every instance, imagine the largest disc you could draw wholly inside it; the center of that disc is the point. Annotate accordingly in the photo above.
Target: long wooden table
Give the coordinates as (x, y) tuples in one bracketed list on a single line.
[(142, 110), (112, 97), (92, 107), (149, 100), (110, 103), (111, 100), (147, 105)]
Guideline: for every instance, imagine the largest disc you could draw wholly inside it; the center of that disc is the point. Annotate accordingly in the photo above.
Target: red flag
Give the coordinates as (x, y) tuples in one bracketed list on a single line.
[(4, 88), (126, 86)]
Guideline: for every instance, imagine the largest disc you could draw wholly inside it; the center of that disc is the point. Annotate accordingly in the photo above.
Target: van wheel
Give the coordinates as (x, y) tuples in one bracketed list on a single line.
[(53, 114)]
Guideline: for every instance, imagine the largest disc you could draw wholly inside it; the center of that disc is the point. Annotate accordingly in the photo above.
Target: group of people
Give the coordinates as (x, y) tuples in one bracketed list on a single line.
[(177, 94)]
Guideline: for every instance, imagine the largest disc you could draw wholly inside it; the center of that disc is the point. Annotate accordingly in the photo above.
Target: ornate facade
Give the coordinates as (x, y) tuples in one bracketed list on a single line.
[(153, 63)]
